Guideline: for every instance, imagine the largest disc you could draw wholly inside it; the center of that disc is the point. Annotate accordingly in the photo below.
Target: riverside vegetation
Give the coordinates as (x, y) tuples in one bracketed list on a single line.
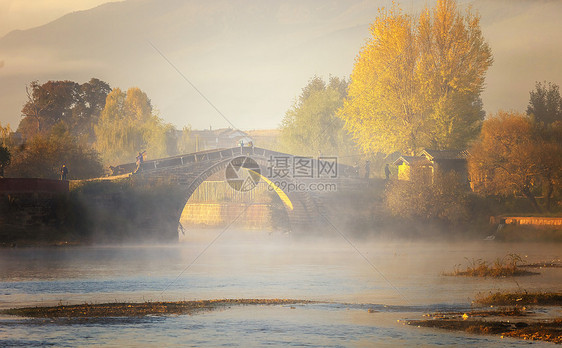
[(523, 323)]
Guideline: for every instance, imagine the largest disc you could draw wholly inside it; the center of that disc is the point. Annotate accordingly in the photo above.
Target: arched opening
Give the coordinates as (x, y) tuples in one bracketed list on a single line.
[(212, 203)]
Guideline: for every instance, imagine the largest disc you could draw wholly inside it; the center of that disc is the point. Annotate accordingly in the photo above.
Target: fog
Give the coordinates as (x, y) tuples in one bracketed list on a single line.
[(250, 58), (232, 263)]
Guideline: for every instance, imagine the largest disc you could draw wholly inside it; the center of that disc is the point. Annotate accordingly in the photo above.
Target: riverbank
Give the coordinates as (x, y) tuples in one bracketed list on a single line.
[(104, 310), (528, 316), (91, 212), (125, 211), (517, 320)]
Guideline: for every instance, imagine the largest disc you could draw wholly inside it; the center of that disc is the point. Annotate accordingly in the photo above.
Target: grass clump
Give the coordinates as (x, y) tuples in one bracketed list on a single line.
[(507, 266), (549, 330), (512, 299)]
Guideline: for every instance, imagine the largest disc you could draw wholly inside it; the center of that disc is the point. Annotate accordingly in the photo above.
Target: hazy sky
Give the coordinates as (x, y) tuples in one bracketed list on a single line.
[(25, 14), (250, 58)]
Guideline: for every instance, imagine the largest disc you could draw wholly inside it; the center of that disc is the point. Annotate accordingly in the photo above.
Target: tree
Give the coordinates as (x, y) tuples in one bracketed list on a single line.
[(310, 126), (43, 155), (186, 143), (5, 142), (47, 104), (549, 159), (128, 125), (67, 101), (85, 114), (5, 159), (446, 199), (5, 135), (417, 85), (514, 156), (545, 103)]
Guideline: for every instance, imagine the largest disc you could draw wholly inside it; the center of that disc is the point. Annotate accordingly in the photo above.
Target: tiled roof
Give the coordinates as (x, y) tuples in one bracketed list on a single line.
[(410, 160), (444, 154)]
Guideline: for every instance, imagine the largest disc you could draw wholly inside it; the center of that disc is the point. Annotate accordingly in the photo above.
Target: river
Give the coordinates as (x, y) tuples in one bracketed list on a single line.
[(396, 280)]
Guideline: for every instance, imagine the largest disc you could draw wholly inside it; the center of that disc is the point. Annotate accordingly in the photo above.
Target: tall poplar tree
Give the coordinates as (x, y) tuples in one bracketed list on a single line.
[(310, 127), (417, 81)]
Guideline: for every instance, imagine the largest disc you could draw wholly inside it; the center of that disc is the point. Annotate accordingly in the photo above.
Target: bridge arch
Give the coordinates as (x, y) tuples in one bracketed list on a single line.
[(189, 171), (299, 206)]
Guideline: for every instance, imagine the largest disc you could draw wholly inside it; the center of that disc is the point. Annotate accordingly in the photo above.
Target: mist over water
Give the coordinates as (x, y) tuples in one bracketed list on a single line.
[(401, 280)]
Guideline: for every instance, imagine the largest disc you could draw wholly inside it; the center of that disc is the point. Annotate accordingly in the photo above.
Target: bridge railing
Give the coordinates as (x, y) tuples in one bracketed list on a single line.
[(210, 155)]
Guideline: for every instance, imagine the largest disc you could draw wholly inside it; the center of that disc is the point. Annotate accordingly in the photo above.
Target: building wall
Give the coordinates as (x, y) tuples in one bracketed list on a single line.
[(404, 172), (457, 166)]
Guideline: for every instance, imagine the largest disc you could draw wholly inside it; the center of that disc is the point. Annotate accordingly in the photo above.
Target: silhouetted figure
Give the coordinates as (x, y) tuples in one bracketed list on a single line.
[(63, 172), (114, 170), (367, 169), (387, 172), (180, 227), (140, 160)]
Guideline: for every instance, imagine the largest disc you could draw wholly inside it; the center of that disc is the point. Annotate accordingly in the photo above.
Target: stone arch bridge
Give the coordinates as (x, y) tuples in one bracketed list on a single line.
[(302, 183)]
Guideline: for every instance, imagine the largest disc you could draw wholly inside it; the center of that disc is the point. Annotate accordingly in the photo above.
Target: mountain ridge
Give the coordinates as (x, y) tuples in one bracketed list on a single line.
[(251, 58)]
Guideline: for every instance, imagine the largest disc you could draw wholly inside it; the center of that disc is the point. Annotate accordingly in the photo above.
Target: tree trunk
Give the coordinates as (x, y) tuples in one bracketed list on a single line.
[(532, 199), (548, 195)]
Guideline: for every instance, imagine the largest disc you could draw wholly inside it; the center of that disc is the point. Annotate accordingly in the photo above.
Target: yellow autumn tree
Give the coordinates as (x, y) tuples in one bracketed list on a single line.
[(515, 156), (128, 125), (417, 81)]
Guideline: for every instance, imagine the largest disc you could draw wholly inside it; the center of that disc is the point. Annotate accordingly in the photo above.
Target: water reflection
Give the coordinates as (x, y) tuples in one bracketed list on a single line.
[(258, 265)]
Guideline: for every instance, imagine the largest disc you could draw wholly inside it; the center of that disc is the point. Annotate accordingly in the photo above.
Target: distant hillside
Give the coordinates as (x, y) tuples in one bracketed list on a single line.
[(251, 58)]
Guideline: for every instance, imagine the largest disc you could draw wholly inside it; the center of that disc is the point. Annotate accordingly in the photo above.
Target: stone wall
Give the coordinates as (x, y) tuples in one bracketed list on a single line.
[(32, 185), (31, 209), (255, 216), (535, 221), (32, 217)]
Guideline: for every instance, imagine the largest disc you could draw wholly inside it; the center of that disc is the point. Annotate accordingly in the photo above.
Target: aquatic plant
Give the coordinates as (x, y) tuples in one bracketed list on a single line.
[(520, 298), (507, 266)]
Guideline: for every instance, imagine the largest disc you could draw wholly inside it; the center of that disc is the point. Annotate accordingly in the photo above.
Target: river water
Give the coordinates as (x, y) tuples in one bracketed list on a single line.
[(396, 280)]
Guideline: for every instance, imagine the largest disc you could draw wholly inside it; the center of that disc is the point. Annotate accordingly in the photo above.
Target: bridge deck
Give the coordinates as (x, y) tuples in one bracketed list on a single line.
[(124, 170)]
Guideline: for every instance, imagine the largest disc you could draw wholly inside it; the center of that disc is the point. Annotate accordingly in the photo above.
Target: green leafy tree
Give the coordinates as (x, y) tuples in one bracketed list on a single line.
[(310, 126), (417, 82), (85, 114), (545, 103), (128, 125), (43, 155)]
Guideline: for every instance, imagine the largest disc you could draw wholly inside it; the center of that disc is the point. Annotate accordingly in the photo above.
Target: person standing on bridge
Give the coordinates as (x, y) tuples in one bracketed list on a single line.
[(387, 172), (63, 172), (140, 160)]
